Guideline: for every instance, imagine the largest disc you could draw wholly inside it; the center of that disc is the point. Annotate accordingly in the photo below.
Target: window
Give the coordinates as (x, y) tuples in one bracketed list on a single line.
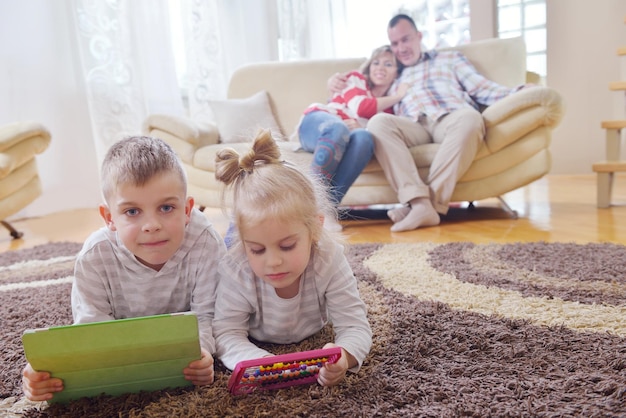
[(442, 23), (363, 24), (526, 18)]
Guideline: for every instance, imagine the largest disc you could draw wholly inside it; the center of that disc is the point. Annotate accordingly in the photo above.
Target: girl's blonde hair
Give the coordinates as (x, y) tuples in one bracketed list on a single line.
[(264, 187), (366, 66)]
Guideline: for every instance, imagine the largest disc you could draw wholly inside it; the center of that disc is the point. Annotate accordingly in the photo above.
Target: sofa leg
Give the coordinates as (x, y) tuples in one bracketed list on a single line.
[(14, 232), (507, 208)]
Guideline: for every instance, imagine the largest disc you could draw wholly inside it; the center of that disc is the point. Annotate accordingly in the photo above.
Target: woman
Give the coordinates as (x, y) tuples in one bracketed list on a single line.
[(335, 132)]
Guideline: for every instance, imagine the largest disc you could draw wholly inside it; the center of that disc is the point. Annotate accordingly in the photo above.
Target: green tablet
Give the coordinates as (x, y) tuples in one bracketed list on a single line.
[(116, 357)]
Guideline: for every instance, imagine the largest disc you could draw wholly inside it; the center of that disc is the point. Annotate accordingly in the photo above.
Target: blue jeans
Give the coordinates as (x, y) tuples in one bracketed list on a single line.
[(339, 155)]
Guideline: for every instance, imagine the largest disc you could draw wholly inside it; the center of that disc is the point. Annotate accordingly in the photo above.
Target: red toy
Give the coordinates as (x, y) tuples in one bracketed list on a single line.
[(275, 372)]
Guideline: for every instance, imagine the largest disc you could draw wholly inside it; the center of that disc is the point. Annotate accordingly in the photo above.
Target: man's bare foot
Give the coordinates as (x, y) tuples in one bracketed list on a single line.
[(398, 214), (422, 214)]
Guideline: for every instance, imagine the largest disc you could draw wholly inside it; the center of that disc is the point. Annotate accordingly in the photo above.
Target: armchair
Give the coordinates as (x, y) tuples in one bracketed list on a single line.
[(19, 180)]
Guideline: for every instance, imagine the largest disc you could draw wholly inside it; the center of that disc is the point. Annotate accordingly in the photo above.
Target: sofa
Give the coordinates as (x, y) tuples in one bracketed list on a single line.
[(19, 178), (272, 95)]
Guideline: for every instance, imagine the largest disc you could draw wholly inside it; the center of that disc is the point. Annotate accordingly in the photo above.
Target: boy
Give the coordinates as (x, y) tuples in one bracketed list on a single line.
[(155, 255)]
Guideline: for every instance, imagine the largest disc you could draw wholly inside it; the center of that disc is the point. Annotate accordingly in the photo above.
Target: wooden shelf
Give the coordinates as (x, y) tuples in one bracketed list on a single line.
[(609, 166), (614, 124), (617, 85), (613, 163)]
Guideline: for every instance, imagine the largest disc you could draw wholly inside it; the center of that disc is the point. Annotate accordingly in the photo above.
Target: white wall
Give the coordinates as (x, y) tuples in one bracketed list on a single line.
[(39, 80), (483, 19), (583, 38)]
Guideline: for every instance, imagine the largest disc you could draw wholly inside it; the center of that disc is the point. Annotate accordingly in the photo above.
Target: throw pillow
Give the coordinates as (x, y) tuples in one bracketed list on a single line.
[(239, 120)]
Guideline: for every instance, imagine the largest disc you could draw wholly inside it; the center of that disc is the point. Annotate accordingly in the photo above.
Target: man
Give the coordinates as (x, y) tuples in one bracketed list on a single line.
[(441, 107)]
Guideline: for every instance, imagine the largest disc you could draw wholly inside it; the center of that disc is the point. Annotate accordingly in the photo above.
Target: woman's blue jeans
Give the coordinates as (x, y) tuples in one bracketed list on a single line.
[(339, 155)]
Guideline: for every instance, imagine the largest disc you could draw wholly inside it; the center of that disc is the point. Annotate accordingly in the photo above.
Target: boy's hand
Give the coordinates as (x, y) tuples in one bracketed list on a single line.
[(333, 374), (200, 372), (38, 386)]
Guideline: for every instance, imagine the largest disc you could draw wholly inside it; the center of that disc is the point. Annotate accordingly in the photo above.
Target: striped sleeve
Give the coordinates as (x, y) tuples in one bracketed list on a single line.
[(346, 309), (90, 297), (234, 303), (207, 249), (357, 97)]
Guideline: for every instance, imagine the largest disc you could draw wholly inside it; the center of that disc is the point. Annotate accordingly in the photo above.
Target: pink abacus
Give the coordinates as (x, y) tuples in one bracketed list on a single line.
[(280, 371)]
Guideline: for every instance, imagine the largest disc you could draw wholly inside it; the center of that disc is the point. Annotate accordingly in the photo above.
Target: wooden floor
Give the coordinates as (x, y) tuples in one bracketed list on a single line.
[(553, 209)]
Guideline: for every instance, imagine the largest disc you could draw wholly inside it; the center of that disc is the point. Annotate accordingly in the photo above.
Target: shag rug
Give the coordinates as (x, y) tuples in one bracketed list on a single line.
[(460, 329)]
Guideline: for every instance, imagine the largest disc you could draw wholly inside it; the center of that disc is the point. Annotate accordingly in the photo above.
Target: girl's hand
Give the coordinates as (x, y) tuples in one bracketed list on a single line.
[(351, 124), (333, 374), (39, 386), (200, 372), (336, 83)]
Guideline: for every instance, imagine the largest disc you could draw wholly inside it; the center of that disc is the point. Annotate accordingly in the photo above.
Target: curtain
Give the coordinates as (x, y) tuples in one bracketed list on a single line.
[(221, 36), (206, 78), (127, 62), (127, 55), (307, 28)]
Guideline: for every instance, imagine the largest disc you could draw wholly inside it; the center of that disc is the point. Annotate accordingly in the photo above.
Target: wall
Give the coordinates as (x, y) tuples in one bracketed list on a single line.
[(39, 80), (483, 19), (583, 38)]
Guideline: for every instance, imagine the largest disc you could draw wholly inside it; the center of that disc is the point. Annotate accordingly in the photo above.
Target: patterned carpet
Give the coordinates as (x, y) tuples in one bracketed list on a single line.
[(460, 329)]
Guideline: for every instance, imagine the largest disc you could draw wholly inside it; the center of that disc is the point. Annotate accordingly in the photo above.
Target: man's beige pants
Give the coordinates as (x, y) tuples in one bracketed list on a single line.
[(459, 133)]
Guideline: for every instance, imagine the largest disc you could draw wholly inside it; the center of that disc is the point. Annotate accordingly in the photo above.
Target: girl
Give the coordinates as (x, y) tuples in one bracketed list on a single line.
[(285, 277), (335, 132)]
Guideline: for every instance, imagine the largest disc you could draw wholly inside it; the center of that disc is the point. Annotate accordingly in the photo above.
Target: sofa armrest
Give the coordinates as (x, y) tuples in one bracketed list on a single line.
[(520, 113), (184, 135), (196, 133), (19, 142)]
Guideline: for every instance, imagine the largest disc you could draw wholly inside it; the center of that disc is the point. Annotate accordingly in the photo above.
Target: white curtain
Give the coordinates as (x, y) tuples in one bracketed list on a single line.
[(308, 28), (205, 78), (128, 66)]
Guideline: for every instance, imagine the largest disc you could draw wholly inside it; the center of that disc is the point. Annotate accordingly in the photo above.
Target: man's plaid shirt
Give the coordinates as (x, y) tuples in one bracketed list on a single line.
[(443, 81)]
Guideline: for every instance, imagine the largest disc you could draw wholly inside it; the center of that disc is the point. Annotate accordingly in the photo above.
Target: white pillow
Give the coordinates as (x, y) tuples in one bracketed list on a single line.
[(239, 120)]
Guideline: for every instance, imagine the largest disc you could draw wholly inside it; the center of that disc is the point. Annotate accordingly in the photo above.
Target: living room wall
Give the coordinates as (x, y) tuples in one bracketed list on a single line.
[(40, 81), (583, 38)]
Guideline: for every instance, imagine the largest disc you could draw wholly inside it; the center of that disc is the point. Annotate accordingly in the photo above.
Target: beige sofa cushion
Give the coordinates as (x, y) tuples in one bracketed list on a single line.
[(239, 120), (291, 86), (500, 60)]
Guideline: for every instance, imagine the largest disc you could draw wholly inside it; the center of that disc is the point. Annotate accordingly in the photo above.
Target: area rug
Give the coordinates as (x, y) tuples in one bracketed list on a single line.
[(460, 330)]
